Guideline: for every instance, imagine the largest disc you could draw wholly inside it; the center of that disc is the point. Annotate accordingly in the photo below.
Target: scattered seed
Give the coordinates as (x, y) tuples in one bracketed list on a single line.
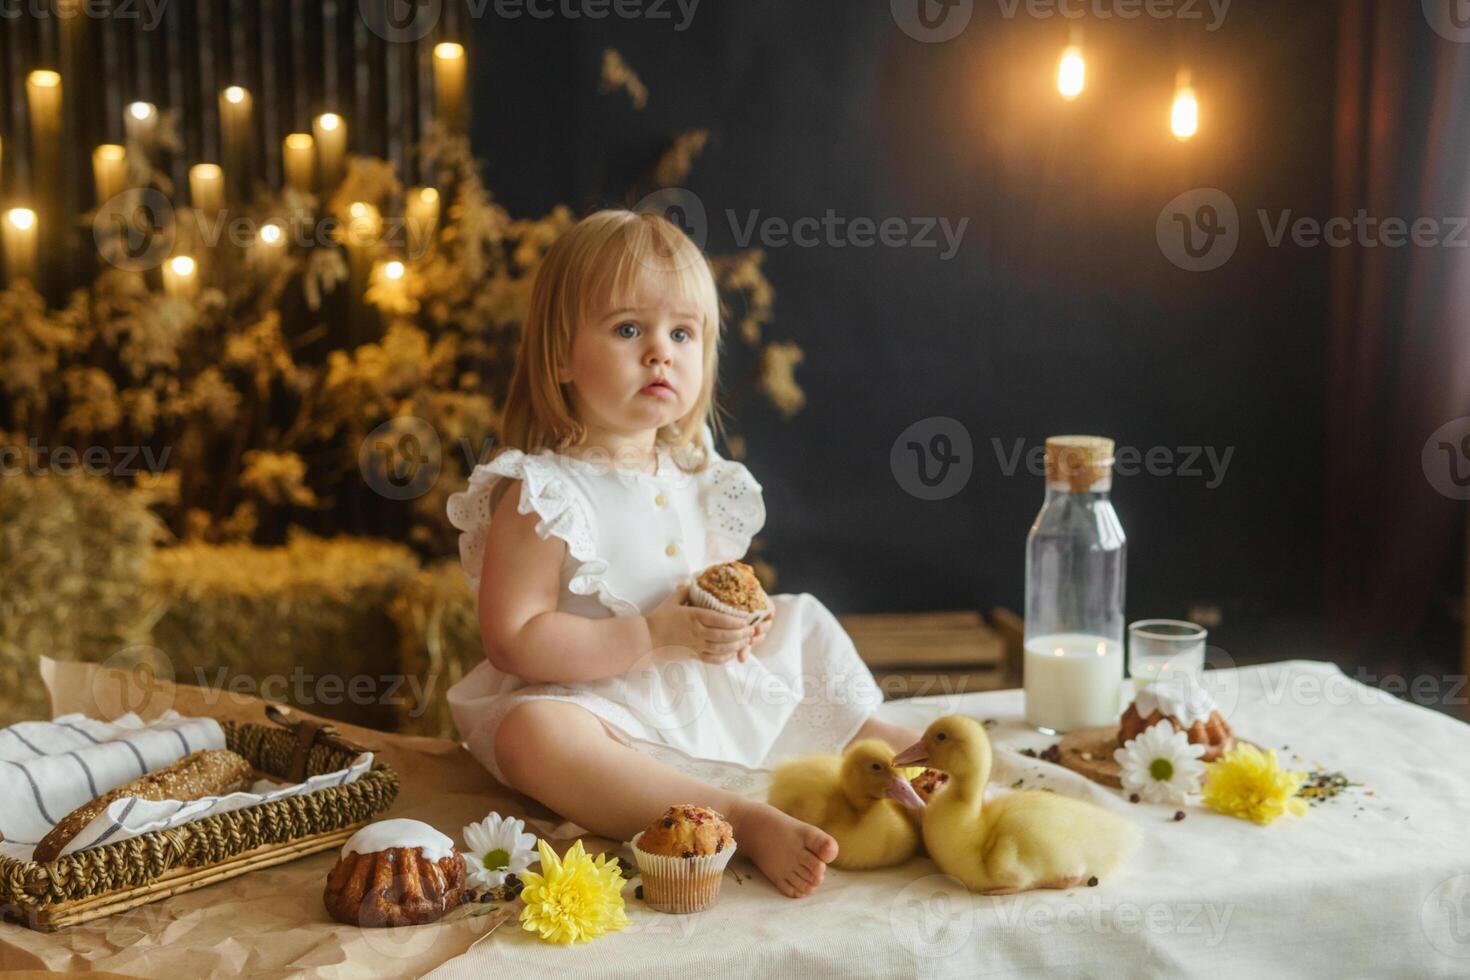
[(638, 892), (1134, 797), (1092, 882), (1178, 815)]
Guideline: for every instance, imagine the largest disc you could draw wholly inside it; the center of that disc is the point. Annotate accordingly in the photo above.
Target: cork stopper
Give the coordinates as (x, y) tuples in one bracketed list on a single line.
[(1080, 464)]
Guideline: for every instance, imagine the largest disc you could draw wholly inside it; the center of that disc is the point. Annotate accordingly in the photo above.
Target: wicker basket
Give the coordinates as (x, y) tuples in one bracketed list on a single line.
[(104, 880)]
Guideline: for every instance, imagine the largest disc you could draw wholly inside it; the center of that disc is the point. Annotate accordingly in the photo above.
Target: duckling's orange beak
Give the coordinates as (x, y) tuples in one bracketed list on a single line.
[(915, 755), (903, 791)]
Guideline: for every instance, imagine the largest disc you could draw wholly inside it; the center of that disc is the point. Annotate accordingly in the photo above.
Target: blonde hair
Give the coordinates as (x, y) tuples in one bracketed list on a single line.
[(592, 266)]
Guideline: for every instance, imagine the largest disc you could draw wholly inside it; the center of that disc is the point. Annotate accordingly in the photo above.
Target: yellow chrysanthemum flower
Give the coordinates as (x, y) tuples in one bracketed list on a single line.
[(1247, 783), (574, 898)]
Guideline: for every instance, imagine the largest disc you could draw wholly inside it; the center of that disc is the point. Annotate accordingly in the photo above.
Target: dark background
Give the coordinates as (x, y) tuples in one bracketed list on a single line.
[(1059, 313)]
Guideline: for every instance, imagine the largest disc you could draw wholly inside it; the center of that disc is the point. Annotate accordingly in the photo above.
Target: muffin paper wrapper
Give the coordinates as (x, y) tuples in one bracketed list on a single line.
[(679, 884), (699, 597)]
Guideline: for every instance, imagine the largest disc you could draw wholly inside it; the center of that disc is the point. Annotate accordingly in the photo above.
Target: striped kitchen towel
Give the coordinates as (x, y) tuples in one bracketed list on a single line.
[(49, 768)]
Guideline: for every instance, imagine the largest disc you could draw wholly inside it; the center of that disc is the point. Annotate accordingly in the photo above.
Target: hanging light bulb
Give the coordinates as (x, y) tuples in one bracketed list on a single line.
[(1072, 69), (1184, 117)]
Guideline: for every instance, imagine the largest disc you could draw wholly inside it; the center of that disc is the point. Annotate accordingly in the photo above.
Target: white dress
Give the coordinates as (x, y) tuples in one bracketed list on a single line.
[(631, 539)]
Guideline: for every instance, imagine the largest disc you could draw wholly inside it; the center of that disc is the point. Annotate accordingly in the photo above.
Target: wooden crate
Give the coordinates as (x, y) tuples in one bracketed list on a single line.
[(932, 653)]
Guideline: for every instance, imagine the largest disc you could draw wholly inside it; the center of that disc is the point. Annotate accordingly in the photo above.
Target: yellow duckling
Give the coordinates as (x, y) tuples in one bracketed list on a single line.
[(1016, 842), (859, 799)]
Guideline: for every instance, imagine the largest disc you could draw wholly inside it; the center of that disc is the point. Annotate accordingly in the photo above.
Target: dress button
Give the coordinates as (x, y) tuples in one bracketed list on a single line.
[(671, 550), (660, 500)]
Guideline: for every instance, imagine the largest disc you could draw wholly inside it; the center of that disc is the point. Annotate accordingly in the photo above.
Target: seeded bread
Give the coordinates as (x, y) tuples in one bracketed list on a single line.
[(209, 772)]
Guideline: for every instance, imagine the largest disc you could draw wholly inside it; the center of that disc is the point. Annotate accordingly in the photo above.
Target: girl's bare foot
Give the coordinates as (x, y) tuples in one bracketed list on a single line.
[(791, 853)]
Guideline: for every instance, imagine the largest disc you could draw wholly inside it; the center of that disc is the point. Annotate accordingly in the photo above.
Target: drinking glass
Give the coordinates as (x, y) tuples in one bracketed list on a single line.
[(1158, 647)]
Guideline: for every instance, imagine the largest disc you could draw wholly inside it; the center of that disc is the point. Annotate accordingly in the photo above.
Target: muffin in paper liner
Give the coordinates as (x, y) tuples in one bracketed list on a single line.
[(699, 597), (680, 884)]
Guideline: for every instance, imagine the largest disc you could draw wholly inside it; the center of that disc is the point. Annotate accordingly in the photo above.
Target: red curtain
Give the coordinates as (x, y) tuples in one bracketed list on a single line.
[(1399, 341)]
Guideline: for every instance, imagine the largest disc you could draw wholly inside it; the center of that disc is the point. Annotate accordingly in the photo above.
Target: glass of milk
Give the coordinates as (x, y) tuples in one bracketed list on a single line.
[(1158, 647), (1075, 561)]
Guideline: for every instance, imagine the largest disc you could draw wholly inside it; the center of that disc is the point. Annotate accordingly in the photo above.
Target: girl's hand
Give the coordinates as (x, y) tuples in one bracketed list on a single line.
[(761, 629), (713, 636)]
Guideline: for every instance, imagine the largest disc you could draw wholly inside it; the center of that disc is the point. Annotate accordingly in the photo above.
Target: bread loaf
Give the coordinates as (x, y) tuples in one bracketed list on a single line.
[(209, 772)]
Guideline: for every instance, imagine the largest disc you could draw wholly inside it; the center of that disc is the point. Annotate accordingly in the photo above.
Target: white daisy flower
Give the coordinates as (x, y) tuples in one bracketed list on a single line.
[(498, 846), (1161, 765)]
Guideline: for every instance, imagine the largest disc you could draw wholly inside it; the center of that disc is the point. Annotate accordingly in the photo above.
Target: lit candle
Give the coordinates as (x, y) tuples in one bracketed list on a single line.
[(207, 187), (297, 160), (389, 289), (1072, 69), (138, 120), (234, 128), (43, 92), (109, 171), (1071, 73), (1184, 116), (207, 192), (364, 227), (179, 277), (420, 217), (20, 244), (270, 245), (330, 131), (449, 84)]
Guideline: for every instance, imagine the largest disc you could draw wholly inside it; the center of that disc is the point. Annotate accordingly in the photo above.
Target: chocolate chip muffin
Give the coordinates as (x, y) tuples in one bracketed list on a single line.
[(682, 857), (687, 831)]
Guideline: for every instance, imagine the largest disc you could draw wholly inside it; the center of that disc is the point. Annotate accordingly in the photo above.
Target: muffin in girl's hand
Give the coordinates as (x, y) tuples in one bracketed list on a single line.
[(682, 857), (731, 587)]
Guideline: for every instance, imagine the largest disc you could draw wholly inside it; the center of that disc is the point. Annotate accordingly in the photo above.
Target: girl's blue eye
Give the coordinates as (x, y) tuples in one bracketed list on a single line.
[(681, 335), (627, 330)]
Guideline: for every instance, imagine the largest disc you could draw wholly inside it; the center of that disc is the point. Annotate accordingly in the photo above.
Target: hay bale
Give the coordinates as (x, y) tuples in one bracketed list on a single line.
[(439, 637), (74, 547), (305, 624)]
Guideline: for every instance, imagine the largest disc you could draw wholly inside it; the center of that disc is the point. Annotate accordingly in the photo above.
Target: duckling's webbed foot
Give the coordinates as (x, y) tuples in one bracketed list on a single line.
[(1071, 882)]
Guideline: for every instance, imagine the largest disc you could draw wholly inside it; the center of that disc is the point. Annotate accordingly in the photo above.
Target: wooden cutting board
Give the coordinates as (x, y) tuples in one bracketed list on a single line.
[(1090, 752)]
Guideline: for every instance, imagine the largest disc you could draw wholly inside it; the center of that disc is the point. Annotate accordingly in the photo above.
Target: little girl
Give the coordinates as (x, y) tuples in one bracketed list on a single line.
[(602, 694)]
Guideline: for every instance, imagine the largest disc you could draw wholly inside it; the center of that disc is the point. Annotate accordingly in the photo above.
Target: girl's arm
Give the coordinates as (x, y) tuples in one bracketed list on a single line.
[(523, 633)]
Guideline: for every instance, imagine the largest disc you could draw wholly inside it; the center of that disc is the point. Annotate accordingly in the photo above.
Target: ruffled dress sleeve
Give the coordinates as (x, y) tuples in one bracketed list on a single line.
[(734, 508), (561, 512)]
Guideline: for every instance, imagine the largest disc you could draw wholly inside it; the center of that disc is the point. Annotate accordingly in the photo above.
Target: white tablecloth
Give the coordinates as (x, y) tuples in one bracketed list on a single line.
[(1363, 885)]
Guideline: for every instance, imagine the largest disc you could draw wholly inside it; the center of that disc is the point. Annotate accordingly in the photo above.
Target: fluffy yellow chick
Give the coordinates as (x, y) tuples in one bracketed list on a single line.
[(859, 799), (1016, 842)]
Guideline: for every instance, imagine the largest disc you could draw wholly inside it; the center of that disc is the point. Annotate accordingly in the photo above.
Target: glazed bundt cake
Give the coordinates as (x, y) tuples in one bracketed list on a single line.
[(1181, 701), (395, 873)]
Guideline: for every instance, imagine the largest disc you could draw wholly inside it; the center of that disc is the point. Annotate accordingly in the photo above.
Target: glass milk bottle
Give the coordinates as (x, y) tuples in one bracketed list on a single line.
[(1074, 592)]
